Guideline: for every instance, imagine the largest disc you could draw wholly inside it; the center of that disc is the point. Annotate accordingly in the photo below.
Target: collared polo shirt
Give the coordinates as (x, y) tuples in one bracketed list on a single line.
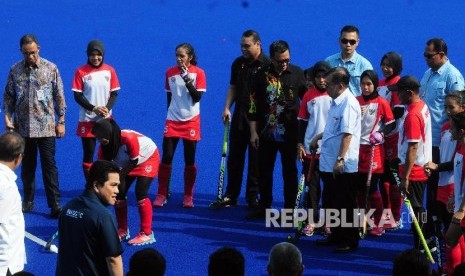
[(355, 65), (88, 235), (435, 85)]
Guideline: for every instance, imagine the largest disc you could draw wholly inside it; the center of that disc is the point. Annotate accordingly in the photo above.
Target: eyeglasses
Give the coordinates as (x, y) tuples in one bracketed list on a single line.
[(429, 56), (33, 53), (350, 41)]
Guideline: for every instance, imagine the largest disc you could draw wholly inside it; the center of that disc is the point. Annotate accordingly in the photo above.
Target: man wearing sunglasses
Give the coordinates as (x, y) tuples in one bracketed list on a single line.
[(439, 80), (274, 105), (349, 58)]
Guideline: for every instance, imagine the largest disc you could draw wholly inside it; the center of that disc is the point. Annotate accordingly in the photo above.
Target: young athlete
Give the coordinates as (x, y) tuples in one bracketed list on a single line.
[(377, 121), (312, 118), (185, 84), (445, 195), (96, 88), (138, 157), (391, 67), (457, 226)]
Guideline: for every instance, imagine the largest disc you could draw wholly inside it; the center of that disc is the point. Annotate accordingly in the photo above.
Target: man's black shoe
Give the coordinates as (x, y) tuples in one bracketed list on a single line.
[(55, 212), (256, 213), (28, 206), (253, 204), (345, 249)]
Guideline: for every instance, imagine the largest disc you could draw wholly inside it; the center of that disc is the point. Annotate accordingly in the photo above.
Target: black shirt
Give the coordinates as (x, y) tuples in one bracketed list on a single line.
[(242, 73), (275, 101)]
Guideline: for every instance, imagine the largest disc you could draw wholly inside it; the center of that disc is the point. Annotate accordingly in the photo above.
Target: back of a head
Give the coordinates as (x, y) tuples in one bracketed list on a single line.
[(226, 261), (338, 75), (411, 262), (285, 260), (11, 146), (147, 262)]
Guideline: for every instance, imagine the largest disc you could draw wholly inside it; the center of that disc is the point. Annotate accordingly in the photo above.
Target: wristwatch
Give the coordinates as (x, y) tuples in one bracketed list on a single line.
[(340, 158), (61, 122)]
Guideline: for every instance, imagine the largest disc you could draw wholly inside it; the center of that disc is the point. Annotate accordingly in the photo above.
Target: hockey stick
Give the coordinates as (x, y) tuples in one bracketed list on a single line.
[(367, 192), (39, 241), (49, 242), (302, 188), (393, 167), (417, 227), (219, 198)]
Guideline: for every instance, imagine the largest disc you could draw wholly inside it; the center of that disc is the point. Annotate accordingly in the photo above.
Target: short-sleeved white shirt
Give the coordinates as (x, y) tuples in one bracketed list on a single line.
[(344, 117)]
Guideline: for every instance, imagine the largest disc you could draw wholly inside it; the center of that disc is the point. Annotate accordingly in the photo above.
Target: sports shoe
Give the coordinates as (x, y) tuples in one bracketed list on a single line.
[(376, 231), (123, 234), (142, 239), (308, 230), (393, 226), (188, 202), (159, 201)]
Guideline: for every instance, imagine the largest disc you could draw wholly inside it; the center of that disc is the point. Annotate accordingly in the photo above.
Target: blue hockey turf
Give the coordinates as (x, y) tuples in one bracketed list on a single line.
[(140, 37)]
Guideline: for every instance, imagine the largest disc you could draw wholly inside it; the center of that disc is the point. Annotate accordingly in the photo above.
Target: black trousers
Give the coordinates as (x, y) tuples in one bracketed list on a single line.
[(46, 148), (340, 192), (268, 151), (239, 144)]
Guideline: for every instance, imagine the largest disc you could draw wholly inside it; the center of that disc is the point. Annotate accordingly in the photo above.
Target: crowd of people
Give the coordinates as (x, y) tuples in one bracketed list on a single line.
[(372, 144)]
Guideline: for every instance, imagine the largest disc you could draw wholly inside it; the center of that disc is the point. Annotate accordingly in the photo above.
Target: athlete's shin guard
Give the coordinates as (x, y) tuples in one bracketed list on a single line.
[(145, 213), (376, 202), (86, 169), (121, 211), (190, 174), (164, 174)]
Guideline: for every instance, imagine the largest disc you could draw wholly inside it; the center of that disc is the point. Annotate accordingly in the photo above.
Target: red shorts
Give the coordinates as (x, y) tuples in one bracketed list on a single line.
[(149, 168), (189, 130), (444, 193), (84, 129), (364, 159)]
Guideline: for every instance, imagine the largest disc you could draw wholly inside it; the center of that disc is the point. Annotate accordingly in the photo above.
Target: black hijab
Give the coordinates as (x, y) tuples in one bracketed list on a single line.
[(108, 129)]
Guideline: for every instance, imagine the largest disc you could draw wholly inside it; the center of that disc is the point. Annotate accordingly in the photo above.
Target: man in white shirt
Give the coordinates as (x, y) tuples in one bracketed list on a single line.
[(12, 228), (339, 158)]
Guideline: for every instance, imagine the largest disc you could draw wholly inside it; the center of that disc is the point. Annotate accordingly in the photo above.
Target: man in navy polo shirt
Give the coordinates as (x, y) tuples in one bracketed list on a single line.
[(89, 242)]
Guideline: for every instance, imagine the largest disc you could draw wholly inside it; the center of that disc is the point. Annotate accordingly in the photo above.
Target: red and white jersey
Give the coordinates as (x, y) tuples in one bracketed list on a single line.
[(375, 113), (96, 84), (314, 109), (447, 149), (133, 145), (416, 124), (392, 98), (459, 176), (182, 108)]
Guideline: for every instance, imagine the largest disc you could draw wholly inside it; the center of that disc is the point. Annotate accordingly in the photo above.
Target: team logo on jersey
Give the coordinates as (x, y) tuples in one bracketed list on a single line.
[(148, 168), (166, 129), (192, 133), (173, 79), (107, 78), (371, 111), (88, 78), (313, 102), (427, 113), (458, 163)]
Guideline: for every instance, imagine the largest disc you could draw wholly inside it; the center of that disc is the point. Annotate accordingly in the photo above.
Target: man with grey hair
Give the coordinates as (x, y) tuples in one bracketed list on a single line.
[(12, 227), (285, 260)]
